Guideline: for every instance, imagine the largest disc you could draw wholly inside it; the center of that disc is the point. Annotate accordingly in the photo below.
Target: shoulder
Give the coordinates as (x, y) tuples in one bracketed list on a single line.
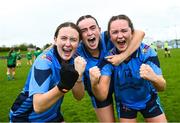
[(82, 51), (147, 50), (148, 54), (113, 51), (45, 59)]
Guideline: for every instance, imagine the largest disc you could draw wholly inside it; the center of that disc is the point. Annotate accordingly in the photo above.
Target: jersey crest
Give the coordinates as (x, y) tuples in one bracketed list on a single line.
[(46, 57), (146, 47)]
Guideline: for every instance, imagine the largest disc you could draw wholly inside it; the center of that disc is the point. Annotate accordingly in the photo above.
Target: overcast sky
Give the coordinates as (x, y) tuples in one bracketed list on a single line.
[(35, 21)]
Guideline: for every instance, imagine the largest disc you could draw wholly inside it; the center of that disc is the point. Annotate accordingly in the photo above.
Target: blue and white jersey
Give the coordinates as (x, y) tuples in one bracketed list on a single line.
[(92, 61), (130, 89), (43, 76), (106, 41)]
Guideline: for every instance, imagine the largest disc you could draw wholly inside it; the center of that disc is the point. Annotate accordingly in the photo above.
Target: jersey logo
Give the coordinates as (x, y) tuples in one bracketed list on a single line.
[(146, 47), (128, 73), (43, 56), (46, 57)]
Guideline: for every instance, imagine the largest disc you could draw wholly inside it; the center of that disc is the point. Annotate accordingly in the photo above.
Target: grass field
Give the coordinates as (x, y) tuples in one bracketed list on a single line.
[(82, 111)]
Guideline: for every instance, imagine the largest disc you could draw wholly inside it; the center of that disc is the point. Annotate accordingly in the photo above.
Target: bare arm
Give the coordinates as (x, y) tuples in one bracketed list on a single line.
[(135, 43), (42, 102), (100, 84), (158, 81), (78, 89)]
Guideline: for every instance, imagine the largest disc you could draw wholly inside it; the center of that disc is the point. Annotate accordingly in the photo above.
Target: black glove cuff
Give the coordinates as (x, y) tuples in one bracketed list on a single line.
[(68, 78), (62, 89)]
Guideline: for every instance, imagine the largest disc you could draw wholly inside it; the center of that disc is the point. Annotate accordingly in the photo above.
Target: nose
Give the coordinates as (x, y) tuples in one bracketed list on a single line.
[(120, 35), (89, 32), (68, 42)]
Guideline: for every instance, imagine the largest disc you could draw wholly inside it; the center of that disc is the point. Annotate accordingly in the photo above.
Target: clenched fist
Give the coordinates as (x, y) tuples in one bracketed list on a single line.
[(146, 72), (94, 74), (80, 65)]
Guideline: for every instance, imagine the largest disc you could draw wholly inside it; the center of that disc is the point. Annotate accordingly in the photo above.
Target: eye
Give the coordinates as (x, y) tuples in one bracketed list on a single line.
[(73, 39), (114, 32), (63, 38), (125, 30), (83, 30), (93, 27)]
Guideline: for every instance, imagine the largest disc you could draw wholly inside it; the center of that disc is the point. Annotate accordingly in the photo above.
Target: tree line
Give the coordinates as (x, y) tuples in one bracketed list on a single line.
[(22, 47)]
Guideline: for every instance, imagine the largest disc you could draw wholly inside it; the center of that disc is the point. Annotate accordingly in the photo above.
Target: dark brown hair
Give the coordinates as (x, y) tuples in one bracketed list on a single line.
[(68, 24), (84, 17), (119, 17)]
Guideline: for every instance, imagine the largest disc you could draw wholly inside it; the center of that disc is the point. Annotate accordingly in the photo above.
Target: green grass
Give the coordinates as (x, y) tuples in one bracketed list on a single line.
[(171, 96), (10, 89), (82, 111)]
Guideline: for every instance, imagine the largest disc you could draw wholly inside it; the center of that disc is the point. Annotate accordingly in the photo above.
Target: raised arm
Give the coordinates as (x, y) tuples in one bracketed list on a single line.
[(158, 81), (78, 89), (99, 84), (135, 43)]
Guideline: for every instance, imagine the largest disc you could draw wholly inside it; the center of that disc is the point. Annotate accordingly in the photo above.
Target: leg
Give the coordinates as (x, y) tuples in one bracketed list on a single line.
[(17, 63), (125, 114), (169, 55), (20, 62), (105, 114), (13, 72), (30, 62), (153, 111), (125, 120), (8, 73), (161, 118)]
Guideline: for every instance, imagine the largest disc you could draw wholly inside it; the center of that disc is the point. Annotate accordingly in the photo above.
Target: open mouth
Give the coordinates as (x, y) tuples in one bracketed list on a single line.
[(92, 41), (121, 42), (67, 51)]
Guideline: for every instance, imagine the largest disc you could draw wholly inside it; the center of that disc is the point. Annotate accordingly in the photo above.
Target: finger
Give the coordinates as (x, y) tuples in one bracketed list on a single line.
[(143, 66), (111, 60), (109, 57), (141, 74), (92, 68)]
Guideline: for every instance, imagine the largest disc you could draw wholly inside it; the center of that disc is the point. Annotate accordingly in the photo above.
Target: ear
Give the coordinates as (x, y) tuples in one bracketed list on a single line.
[(100, 29), (55, 40)]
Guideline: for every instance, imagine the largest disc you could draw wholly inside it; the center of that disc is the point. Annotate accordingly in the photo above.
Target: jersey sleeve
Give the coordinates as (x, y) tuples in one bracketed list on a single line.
[(40, 76), (151, 58), (107, 70)]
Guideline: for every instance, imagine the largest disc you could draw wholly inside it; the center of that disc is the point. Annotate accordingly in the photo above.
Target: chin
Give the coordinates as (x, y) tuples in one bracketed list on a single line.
[(94, 48), (122, 49), (66, 58)]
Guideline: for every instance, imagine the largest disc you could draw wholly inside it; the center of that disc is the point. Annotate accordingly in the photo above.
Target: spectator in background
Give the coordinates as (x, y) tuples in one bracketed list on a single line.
[(166, 49), (29, 57), (19, 58), (153, 46), (37, 52), (11, 64)]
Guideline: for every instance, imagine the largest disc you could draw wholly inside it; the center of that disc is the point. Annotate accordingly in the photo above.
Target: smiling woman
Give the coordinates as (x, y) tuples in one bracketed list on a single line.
[(49, 80), (67, 42), (136, 80)]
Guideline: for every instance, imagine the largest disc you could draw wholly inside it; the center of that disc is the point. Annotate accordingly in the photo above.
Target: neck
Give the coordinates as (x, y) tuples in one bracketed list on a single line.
[(94, 53), (61, 61)]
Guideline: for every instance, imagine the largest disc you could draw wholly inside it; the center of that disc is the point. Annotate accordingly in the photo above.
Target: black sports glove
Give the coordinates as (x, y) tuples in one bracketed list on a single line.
[(68, 77)]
